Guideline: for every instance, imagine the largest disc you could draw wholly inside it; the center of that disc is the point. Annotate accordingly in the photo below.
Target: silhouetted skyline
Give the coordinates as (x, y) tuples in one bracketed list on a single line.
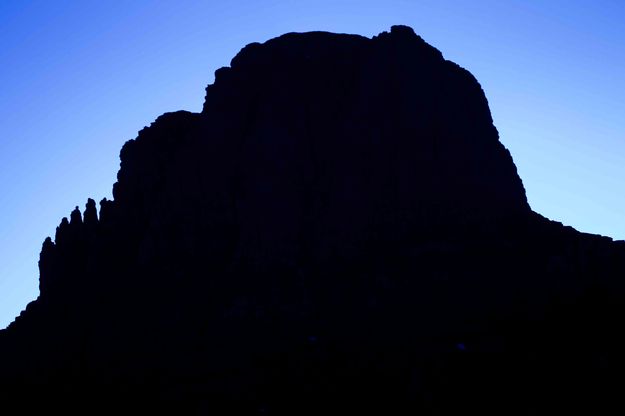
[(338, 231), (81, 78)]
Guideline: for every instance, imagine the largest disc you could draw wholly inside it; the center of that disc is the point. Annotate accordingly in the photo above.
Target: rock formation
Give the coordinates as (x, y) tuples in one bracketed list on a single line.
[(339, 231)]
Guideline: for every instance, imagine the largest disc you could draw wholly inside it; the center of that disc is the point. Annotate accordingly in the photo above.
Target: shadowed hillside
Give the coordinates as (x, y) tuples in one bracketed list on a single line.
[(339, 231)]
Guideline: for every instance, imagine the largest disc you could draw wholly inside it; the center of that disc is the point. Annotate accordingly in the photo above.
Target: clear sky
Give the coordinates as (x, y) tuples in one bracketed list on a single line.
[(79, 78)]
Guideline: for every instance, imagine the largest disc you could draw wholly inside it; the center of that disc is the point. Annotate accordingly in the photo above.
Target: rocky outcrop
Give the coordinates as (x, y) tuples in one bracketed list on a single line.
[(339, 231)]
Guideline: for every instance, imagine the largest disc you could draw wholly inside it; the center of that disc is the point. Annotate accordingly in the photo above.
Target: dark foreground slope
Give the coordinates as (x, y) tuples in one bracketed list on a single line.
[(339, 231)]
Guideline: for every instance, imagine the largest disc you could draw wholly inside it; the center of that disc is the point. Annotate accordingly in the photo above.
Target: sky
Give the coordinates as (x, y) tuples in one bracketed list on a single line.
[(79, 78)]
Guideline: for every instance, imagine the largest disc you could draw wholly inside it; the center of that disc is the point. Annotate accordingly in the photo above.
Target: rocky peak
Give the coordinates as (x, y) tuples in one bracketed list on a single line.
[(340, 227)]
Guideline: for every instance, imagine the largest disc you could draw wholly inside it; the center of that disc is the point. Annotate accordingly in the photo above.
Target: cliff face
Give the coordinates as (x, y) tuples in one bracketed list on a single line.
[(339, 229)]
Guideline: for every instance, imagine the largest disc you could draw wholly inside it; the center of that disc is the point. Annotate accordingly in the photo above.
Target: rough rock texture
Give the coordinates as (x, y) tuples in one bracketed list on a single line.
[(339, 231)]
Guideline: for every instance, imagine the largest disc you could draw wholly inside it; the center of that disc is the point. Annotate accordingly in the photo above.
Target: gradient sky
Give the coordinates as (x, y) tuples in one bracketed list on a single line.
[(79, 78)]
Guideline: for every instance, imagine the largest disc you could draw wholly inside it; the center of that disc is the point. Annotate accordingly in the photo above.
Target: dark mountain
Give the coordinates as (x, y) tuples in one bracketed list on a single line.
[(339, 231)]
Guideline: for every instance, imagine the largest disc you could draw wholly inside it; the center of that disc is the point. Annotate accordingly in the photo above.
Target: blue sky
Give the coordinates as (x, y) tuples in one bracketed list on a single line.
[(79, 78)]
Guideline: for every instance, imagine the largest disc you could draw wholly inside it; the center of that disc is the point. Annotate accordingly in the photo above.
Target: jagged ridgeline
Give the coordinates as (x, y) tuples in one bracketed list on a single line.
[(339, 231)]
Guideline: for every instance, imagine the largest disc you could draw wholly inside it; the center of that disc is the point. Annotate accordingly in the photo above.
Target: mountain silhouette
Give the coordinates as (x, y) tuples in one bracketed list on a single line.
[(339, 231)]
